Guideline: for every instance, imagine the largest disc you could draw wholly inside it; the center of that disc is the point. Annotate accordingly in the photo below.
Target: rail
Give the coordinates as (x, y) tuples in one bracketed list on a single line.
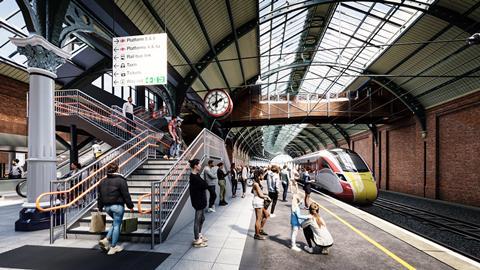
[(75, 102), (69, 199), (141, 122), (166, 194)]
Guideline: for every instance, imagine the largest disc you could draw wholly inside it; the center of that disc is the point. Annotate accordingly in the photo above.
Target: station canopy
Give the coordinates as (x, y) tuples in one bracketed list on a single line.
[(313, 50)]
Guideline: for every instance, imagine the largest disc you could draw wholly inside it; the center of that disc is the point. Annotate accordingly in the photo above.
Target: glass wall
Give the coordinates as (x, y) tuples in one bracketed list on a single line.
[(105, 82)]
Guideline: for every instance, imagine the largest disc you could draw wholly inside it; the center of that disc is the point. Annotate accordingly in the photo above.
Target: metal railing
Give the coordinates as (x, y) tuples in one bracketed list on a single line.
[(69, 199), (166, 194), (76, 103), (139, 121)]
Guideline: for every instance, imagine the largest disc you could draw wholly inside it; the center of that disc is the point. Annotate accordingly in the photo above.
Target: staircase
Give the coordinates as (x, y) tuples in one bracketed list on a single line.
[(73, 107), (139, 183), (158, 188)]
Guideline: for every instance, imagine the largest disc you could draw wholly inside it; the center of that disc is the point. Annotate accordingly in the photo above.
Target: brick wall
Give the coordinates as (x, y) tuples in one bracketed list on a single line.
[(444, 165), (402, 165), (459, 161), (363, 146), (13, 106)]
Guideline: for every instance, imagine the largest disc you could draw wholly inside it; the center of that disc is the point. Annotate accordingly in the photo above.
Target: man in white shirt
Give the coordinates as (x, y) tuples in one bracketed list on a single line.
[(128, 114), (244, 179), (97, 150)]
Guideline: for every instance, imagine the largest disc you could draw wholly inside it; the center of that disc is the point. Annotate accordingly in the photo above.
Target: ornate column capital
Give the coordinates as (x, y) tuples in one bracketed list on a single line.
[(41, 54)]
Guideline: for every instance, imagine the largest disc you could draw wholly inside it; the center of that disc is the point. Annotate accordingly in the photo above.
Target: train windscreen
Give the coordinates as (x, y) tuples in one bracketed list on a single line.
[(350, 162)]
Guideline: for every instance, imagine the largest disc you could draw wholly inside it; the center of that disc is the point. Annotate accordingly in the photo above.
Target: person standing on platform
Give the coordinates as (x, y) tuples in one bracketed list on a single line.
[(113, 194), (172, 130), (210, 175), (285, 177), (296, 219), (307, 186), (96, 149), (222, 183), (294, 178), (198, 197), (234, 179), (273, 183), (127, 110), (244, 179), (260, 204), (16, 170)]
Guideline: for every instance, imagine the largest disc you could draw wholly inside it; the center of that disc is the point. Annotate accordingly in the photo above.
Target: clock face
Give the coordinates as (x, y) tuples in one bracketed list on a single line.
[(218, 103)]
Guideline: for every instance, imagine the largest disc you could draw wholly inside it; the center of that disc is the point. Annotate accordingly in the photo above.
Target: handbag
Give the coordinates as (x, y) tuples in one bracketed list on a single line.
[(266, 203), (98, 221), (129, 224)]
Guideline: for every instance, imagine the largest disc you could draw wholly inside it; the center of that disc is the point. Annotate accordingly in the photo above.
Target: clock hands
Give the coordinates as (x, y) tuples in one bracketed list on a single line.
[(216, 102)]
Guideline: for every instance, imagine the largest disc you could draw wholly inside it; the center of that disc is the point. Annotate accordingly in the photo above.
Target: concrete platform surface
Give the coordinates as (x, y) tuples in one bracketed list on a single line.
[(358, 244)]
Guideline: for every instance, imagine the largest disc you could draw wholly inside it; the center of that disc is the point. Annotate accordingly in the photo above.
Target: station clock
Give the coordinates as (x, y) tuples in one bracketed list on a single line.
[(218, 103)]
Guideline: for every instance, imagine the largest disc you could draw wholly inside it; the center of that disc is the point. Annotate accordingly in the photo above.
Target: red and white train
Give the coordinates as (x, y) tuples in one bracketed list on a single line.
[(342, 173)]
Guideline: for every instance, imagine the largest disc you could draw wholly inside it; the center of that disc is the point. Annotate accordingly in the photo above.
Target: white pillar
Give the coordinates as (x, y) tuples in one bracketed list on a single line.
[(42, 161), (43, 58)]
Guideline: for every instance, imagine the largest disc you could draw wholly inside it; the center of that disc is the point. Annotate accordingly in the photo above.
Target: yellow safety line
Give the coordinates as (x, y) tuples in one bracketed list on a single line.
[(373, 242)]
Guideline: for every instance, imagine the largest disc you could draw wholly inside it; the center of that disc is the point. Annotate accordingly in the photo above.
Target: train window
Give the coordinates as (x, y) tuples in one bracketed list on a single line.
[(324, 164), (350, 161)]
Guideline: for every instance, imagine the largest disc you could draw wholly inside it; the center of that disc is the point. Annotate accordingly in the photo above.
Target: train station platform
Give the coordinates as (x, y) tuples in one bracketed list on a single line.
[(362, 241)]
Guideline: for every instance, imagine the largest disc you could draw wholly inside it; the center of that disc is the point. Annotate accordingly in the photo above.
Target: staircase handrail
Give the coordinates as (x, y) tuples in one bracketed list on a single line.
[(205, 146), (137, 119), (189, 148), (88, 114), (102, 166), (80, 98)]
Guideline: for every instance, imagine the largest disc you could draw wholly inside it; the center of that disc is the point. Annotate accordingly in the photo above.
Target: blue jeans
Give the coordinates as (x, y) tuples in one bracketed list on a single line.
[(116, 212), (173, 149)]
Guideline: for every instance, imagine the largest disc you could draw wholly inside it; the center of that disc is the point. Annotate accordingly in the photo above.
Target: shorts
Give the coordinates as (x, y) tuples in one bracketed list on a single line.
[(257, 202), (307, 188)]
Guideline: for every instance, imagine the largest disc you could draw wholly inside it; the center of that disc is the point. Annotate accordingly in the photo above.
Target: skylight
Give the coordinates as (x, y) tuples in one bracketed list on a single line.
[(12, 24), (355, 37), (279, 39)]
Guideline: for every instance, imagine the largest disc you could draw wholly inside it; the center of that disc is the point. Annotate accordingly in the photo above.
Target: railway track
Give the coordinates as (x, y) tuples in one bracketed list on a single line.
[(466, 230)]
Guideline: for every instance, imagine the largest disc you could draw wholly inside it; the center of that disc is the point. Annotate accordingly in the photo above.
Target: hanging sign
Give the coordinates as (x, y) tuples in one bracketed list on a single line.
[(139, 60)]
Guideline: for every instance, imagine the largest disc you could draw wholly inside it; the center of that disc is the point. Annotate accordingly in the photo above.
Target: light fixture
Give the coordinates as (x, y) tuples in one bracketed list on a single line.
[(474, 39)]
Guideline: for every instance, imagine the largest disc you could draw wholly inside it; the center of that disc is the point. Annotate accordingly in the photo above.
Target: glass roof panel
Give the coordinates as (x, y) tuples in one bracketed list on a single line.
[(360, 26), (279, 45), (12, 24)]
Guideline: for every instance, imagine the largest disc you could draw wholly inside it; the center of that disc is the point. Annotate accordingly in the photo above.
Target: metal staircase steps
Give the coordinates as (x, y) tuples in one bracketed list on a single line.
[(139, 183)]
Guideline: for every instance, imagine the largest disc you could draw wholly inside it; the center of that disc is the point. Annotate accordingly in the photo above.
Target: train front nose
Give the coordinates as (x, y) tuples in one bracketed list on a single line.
[(364, 187)]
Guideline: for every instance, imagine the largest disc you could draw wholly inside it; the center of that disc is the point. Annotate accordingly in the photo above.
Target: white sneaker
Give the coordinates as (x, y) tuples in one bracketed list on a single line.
[(211, 210), (114, 250), (104, 244), (272, 215), (308, 249), (295, 248)]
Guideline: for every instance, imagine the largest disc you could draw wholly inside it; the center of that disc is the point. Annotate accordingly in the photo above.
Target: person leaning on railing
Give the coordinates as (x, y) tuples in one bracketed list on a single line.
[(113, 194)]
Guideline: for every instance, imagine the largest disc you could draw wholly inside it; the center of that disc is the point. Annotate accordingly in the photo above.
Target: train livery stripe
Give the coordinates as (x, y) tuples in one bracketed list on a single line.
[(373, 242)]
